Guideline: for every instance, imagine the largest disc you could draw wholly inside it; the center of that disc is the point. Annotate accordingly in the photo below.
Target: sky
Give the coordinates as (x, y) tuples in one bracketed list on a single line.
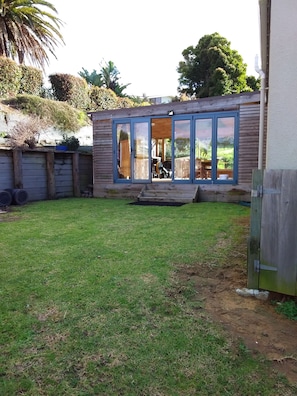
[(145, 39)]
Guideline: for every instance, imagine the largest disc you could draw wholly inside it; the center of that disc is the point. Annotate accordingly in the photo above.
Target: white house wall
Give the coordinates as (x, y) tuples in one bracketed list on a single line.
[(282, 106)]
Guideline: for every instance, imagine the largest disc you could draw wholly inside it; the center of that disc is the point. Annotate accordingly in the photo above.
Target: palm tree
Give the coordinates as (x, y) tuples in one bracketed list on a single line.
[(111, 76), (108, 77), (28, 31)]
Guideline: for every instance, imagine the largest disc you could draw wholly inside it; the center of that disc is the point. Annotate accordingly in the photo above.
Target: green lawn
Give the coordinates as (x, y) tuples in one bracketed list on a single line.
[(89, 302)]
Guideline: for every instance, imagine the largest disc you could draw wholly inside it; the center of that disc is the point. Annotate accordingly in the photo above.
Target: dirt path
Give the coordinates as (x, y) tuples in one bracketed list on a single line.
[(253, 321)]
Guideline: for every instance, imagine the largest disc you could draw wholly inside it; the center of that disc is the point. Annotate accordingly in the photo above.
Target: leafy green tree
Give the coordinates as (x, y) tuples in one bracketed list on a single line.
[(253, 82), (108, 77), (212, 68), (28, 29)]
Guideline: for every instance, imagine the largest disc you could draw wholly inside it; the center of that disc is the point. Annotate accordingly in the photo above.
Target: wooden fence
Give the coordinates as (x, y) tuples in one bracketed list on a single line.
[(272, 253), (46, 174)]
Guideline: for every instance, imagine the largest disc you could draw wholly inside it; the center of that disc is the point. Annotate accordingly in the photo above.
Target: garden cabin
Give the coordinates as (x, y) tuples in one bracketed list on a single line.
[(209, 145)]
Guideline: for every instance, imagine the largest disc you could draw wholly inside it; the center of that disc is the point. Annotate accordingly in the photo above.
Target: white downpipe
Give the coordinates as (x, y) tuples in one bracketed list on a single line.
[(262, 112)]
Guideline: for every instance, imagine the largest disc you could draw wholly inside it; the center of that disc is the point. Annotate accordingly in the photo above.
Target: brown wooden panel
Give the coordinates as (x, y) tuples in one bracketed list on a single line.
[(17, 168), (75, 174), (50, 169), (248, 142), (102, 151), (161, 128)]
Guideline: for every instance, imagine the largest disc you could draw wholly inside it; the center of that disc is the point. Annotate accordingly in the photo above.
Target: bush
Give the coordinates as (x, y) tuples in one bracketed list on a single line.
[(71, 142), (102, 99), (70, 89), (25, 133), (125, 103), (31, 80), (18, 79), (10, 76), (57, 114)]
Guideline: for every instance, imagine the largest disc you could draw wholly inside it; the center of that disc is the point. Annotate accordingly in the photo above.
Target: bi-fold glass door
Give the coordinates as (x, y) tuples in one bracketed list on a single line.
[(192, 148), (141, 151), (201, 148), (133, 150), (181, 149), (205, 147)]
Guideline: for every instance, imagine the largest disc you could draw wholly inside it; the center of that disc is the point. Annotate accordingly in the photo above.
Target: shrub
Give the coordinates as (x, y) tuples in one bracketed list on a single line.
[(31, 80), (102, 99), (10, 76), (70, 89), (57, 114), (71, 142), (25, 133), (125, 102)]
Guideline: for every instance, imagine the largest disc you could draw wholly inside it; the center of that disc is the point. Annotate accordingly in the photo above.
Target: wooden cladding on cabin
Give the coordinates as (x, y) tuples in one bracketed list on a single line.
[(102, 151), (248, 142)]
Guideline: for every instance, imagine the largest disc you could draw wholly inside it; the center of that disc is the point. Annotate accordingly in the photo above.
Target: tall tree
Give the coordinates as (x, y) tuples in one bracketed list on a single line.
[(108, 77), (212, 68), (28, 29)]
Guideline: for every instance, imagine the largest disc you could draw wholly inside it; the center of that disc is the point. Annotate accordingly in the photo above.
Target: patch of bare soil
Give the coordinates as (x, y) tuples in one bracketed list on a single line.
[(255, 322)]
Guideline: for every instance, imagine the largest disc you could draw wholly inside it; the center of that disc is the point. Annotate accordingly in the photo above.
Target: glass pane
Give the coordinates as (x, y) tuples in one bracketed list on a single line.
[(203, 148), (161, 158), (182, 129), (225, 148), (123, 151), (141, 151)]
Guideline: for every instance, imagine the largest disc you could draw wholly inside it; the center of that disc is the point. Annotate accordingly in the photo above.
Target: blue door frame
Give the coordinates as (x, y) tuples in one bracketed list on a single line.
[(134, 122)]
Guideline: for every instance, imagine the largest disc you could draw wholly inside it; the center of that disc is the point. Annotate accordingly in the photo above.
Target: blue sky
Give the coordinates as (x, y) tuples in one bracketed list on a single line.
[(145, 40)]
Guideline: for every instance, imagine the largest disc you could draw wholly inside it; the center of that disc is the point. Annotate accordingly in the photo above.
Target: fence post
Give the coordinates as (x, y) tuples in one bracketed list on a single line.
[(17, 168), (75, 174), (50, 174)]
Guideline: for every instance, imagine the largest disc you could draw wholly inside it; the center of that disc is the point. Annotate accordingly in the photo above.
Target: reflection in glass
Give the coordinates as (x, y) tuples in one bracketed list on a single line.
[(141, 151), (225, 147), (203, 148), (123, 151), (182, 129)]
